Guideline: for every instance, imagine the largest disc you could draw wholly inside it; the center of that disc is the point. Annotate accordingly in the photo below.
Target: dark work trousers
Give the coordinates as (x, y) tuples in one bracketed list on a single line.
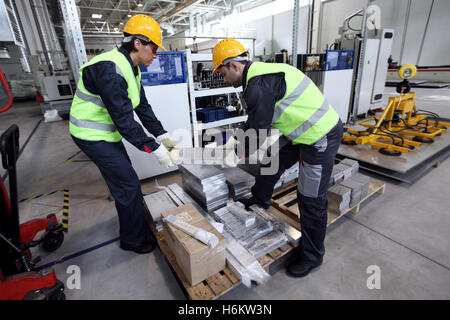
[(113, 162), (316, 164)]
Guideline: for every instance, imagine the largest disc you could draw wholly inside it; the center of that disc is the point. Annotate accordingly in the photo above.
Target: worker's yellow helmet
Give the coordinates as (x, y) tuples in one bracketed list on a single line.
[(225, 49), (146, 26)]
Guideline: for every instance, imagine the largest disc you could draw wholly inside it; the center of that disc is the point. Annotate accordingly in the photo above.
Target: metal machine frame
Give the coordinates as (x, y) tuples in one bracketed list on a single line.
[(400, 117)]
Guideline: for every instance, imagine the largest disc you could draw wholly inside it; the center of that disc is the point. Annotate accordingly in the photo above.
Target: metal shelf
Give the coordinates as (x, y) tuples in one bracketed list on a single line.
[(216, 91), (201, 56), (218, 123), (198, 126)]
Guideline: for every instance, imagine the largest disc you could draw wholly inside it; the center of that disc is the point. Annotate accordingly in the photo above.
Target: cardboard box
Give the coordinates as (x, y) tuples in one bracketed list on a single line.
[(196, 260)]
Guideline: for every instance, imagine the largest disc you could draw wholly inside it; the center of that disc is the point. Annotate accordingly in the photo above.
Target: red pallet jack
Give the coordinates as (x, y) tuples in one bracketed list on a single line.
[(17, 280)]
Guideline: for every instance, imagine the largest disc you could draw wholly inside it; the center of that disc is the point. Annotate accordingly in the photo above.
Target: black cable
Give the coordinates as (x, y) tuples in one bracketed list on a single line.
[(348, 22)]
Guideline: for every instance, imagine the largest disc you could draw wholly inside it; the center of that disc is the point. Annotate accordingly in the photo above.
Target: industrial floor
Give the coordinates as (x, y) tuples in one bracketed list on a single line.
[(405, 231)]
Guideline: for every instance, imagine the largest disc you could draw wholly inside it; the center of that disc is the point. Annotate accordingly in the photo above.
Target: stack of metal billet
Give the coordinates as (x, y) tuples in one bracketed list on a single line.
[(267, 244), (238, 210), (239, 182), (291, 233), (157, 203), (343, 170), (260, 238), (338, 198), (359, 185), (206, 184), (351, 163)]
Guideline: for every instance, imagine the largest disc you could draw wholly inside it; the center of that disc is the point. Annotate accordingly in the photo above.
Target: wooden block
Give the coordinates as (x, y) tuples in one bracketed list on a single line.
[(231, 276), (200, 292), (265, 260), (218, 283), (275, 254)]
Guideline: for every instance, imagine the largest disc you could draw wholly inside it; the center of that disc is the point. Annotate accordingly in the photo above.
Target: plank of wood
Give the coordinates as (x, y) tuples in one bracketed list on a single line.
[(231, 276), (219, 284), (286, 247), (265, 260), (275, 254), (200, 292)]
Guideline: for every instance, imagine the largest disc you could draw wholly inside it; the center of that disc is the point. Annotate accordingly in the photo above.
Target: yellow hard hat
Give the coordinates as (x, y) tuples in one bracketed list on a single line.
[(142, 24), (225, 49)]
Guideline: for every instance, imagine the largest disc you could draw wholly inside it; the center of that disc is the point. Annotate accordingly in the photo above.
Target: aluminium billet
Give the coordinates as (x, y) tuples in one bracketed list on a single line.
[(157, 203), (291, 233)]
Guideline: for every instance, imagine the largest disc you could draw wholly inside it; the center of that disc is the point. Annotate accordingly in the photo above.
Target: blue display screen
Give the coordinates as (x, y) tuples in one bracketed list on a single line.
[(167, 68), (339, 59)]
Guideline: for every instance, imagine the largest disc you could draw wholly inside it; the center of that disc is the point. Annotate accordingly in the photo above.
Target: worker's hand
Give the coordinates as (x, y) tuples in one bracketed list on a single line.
[(176, 156), (163, 156), (167, 141), (227, 153)]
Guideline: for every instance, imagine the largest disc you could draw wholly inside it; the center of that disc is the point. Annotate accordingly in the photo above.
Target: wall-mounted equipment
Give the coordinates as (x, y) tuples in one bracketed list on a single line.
[(167, 68), (372, 55)]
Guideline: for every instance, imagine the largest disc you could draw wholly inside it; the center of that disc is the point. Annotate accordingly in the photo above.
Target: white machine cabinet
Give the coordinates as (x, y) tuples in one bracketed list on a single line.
[(171, 106)]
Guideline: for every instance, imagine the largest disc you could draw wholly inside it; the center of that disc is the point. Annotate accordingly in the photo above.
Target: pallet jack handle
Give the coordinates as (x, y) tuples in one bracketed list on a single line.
[(8, 91), (9, 148)]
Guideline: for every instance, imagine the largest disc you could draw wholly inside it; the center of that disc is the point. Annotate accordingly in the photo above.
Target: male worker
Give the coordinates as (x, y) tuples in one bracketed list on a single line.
[(280, 96), (108, 91)]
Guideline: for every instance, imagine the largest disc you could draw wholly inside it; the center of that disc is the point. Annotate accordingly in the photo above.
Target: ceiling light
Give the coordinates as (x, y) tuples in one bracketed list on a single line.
[(96, 16), (121, 23), (129, 14), (140, 4)]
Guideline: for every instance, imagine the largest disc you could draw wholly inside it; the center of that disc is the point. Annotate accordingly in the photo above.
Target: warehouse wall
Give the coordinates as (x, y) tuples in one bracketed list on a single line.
[(274, 33), (393, 15)]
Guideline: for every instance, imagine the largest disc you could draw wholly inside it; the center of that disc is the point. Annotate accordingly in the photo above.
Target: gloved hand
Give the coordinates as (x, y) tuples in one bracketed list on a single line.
[(228, 156), (167, 141), (163, 156)]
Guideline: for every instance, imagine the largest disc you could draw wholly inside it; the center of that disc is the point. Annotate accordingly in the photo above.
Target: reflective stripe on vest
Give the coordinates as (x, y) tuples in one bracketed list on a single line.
[(303, 115), (95, 100), (92, 125), (89, 118)]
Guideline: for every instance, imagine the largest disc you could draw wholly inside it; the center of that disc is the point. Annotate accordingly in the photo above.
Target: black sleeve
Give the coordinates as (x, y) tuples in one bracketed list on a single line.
[(260, 95), (102, 79), (147, 117)]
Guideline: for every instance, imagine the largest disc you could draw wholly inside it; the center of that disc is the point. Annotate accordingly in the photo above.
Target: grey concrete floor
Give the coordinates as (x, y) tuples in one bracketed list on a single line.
[(405, 232)]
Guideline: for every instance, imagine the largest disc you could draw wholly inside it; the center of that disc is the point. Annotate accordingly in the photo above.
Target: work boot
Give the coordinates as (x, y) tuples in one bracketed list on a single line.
[(301, 268), (248, 202), (145, 247)]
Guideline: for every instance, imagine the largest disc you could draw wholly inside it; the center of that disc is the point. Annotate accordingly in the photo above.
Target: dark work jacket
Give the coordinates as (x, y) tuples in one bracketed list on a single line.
[(260, 94), (103, 80)]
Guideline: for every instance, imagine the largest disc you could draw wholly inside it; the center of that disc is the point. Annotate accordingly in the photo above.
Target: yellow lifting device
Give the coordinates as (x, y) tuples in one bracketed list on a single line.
[(400, 118)]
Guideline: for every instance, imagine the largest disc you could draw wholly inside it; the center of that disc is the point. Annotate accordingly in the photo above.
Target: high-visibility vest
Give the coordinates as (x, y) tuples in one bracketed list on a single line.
[(303, 115), (89, 118)]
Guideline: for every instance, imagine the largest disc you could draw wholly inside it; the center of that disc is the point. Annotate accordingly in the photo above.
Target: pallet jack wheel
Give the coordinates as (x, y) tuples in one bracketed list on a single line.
[(390, 152), (423, 140), (53, 241), (348, 143)]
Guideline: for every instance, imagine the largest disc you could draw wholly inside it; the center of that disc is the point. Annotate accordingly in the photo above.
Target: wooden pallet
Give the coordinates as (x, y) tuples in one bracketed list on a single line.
[(284, 203), (225, 280)]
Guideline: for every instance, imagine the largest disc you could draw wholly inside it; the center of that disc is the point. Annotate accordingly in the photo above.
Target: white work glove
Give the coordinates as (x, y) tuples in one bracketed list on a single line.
[(228, 158), (163, 156), (167, 141)]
